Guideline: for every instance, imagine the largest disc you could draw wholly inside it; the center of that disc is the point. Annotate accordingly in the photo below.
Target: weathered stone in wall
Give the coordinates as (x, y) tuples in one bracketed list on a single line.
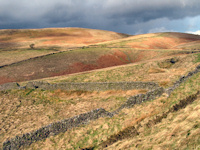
[(181, 80), (140, 98), (89, 86), (8, 86), (103, 86), (54, 129), (38, 84)]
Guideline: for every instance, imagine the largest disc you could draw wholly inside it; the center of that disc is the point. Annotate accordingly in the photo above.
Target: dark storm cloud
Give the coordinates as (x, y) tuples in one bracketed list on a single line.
[(143, 11), (117, 15)]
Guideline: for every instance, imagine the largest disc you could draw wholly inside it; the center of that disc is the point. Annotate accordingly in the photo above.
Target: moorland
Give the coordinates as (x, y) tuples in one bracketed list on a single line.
[(77, 55)]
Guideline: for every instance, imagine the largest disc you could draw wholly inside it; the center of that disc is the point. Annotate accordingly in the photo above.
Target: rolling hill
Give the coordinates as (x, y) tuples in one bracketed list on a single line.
[(29, 114), (54, 37), (124, 50)]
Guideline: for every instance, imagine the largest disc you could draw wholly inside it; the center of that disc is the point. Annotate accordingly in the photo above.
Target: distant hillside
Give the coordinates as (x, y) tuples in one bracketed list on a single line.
[(55, 37), (168, 40), (120, 50)]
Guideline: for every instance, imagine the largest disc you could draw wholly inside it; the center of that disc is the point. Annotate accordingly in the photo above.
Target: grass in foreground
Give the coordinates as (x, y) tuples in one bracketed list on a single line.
[(178, 130), (25, 110)]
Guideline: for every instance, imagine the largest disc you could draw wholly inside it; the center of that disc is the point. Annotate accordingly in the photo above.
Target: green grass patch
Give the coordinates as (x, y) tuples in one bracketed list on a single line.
[(197, 58)]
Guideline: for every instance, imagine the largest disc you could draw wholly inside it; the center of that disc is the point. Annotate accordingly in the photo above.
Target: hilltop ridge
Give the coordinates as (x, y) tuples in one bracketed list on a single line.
[(55, 37)]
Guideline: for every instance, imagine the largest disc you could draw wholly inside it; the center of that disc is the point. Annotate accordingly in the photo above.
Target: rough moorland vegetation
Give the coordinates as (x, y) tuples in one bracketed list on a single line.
[(71, 115)]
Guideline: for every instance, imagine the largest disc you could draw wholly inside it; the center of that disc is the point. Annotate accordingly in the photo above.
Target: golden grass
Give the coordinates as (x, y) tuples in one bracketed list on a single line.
[(155, 70), (24, 111), (8, 57), (61, 37), (179, 129), (171, 133)]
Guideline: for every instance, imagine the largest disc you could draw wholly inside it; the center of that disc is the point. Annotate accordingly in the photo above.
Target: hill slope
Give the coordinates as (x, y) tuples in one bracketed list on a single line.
[(95, 56), (170, 121), (55, 37), (27, 110), (168, 40)]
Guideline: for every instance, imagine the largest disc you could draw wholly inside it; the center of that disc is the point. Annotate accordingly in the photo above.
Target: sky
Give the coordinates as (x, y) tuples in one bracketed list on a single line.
[(123, 16)]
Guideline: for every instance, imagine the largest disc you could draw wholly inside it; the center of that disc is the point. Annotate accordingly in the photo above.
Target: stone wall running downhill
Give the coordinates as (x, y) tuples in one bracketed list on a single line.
[(64, 125), (140, 98), (54, 129), (181, 80)]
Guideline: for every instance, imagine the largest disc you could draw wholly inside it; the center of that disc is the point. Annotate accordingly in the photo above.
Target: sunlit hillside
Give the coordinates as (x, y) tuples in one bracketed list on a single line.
[(133, 119)]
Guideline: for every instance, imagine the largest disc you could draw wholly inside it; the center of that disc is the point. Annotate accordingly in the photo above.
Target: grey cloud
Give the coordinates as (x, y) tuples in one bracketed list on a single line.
[(141, 10), (117, 15)]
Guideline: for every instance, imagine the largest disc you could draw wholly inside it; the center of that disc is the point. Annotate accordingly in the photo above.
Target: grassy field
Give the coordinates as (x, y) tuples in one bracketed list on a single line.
[(40, 108), (12, 56), (180, 129), (78, 60), (106, 57), (124, 50), (159, 70), (26, 110), (55, 37)]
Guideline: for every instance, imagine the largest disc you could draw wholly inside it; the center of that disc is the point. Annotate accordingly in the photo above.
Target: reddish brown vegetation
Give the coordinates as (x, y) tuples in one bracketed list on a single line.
[(107, 60), (6, 80), (89, 59), (162, 42), (118, 58)]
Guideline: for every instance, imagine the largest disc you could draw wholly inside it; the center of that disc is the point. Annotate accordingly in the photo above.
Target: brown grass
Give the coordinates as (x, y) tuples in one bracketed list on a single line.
[(136, 72), (12, 56), (177, 130), (165, 134), (62, 37), (76, 61), (155, 70), (85, 59), (22, 112), (27, 110)]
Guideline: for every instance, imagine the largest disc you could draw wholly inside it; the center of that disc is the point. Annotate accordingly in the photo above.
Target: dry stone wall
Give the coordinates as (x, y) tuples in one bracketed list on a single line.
[(140, 98), (54, 129), (9, 86), (181, 80), (95, 86), (88, 86), (64, 125)]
